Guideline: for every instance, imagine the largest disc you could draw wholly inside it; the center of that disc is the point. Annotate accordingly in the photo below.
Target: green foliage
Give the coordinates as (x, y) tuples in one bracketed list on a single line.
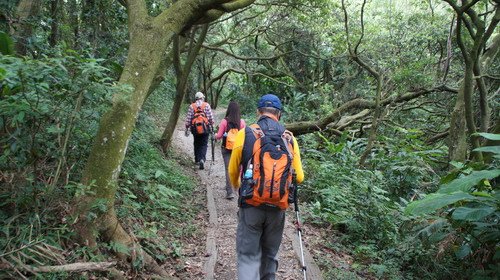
[(6, 44), (436, 201), (470, 205), (51, 101), (156, 197), (48, 114), (467, 182), (44, 101), (350, 197), (406, 162), (49, 109), (366, 207)]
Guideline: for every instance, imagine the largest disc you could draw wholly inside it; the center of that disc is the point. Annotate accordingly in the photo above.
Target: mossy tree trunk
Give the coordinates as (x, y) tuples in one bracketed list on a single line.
[(457, 139), (182, 73), (463, 126), (110, 145), (480, 68), (149, 38), (54, 25), (375, 122), (22, 30)]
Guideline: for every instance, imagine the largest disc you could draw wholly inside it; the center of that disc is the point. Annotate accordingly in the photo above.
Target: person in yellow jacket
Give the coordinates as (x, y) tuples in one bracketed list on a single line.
[(260, 228)]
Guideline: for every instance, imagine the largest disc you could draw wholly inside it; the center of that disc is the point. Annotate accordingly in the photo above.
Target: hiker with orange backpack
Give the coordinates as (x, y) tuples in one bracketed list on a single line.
[(228, 128), (269, 155), (200, 121)]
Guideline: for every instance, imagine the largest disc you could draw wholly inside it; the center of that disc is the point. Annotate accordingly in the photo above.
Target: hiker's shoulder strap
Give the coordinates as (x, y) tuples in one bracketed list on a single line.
[(287, 137), (200, 107), (257, 131)]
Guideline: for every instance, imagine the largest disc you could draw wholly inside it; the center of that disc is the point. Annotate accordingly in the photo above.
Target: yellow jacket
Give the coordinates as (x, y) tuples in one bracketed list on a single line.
[(234, 168)]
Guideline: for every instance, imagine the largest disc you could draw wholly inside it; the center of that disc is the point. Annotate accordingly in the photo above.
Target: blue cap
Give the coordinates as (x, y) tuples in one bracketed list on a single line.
[(269, 100)]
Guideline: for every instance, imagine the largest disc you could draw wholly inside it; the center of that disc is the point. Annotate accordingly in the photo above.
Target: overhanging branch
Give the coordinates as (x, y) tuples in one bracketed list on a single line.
[(244, 58), (305, 127)]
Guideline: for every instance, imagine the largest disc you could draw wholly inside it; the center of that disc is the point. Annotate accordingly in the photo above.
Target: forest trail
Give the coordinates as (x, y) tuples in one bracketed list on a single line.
[(220, 258)]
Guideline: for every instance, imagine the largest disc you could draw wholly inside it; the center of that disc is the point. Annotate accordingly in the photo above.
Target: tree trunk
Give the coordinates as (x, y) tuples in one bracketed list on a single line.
[(74, 23), (149, 39), (54, 25), (479, 68), (22, 30), (463, 115), (375, 121), (457, 140), (88, 15), (166, 137), (218, 91), (305, 127), (181, 85), (103, 166), (469, 113), (484, 107)]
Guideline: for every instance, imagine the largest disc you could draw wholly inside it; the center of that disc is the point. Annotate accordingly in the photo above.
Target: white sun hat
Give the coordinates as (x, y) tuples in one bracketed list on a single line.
[(199, 95)]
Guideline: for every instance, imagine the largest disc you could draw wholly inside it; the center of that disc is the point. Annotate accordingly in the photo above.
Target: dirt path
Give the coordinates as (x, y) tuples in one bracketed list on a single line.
[(220, 261)]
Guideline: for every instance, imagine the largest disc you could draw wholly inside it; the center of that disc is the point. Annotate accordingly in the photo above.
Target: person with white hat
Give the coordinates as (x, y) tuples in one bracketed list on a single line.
[(200, 121)]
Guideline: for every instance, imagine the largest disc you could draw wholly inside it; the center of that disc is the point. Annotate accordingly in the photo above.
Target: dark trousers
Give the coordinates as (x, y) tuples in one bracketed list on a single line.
[(200, 147), (226, 155)]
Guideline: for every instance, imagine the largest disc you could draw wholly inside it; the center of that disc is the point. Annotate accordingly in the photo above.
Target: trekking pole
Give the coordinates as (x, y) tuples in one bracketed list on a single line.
[(297, 225), (212, 139)]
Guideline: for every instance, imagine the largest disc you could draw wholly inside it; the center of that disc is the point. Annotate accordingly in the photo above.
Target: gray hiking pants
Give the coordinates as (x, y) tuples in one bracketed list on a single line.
[(258, 239), (226, 155)]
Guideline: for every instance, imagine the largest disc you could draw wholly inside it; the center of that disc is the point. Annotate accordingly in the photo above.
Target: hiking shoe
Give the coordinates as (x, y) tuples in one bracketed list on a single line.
[(202, 164), (230, 196)]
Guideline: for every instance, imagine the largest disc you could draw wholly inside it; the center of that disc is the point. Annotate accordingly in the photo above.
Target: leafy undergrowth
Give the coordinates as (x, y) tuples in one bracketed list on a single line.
[(158, 201), (362, 231), (161, 205), (49, 109)]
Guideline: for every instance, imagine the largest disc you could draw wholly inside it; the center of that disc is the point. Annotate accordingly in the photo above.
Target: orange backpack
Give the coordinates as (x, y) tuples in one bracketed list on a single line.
[(230, 137), (272, 168), (199, 123)]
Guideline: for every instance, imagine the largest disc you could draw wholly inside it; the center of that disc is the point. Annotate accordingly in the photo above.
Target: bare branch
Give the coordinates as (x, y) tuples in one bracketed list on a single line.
[(230, 16), (448, 49), (362, 27), (74, 267), (193, 52), (469, 5), (492, 26), (243, 57)]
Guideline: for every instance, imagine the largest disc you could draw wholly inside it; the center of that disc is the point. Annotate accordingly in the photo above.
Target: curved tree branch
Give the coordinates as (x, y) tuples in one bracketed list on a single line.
[(305, 127), (243, 57)]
